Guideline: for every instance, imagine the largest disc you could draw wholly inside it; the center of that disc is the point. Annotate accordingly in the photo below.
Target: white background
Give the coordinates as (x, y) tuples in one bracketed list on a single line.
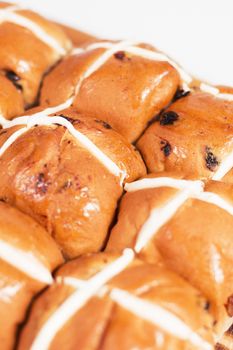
[(197, 33)]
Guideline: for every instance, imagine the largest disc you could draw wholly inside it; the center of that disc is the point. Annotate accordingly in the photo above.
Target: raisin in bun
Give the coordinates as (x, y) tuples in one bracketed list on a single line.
[(189, 226), (67, 172), (30, 46), (28, 255), (125, 85), (105, 302), (193, 135)]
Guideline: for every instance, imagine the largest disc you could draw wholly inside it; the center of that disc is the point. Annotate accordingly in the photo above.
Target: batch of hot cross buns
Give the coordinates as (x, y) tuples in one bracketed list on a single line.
[(116, 195)]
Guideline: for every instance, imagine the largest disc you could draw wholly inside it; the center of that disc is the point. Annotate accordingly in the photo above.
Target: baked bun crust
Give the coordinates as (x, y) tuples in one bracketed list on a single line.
[(103, 322), (191, 232), (192, 136), (96, 254), (126, 90), (11, 99), (49, 175), (30, 46), (28, 255)]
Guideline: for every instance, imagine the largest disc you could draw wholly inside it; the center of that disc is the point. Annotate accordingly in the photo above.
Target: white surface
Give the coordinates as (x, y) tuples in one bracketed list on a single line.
[(197, 33)]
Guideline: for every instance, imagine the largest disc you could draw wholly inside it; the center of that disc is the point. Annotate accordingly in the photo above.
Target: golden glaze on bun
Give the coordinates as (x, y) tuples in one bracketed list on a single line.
[(27, 256), (49, 175), (126, 91), (102, 323), (69, 188), (11, 99), (25, 57), (191, 136), (195, 241)]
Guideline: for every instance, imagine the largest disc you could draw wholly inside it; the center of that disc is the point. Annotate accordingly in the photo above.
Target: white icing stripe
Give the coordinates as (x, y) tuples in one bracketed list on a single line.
[(162, 182), (55, 109), (225, 166), (3, 120), (137, 51), (225, 96), (208, 88), (160, 317), (44, 113), (108, 163), (25, 262), (99, 62), (215, 91), (84, 141), (7, 14), (78, 299), (159, 216), (157, 56), (106, 45), (76, 51), (78, 283), (40, 119), (71, 281), (215, 199), (197, 186)]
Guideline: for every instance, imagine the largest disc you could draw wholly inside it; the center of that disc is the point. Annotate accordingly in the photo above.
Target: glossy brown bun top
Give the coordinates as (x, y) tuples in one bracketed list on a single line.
[(28, 255), (11, 99), (193, 135), (192, 232), (30, 46), (104, 320), (126, 90), (50, 175)]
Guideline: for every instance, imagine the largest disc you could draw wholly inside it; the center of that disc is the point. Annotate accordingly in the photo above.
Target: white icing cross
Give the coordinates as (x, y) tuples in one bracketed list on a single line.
[(78, 299), (41, 119), (111, 48), (25, 262), (159, 216), (131, 48), (142, 308), (156, 182), (8, 14), (86, 289), (160, 317)]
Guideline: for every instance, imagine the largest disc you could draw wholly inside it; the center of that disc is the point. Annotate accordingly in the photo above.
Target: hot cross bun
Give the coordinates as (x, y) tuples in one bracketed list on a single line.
[(30, 46), (105, 301), (28, 255)]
